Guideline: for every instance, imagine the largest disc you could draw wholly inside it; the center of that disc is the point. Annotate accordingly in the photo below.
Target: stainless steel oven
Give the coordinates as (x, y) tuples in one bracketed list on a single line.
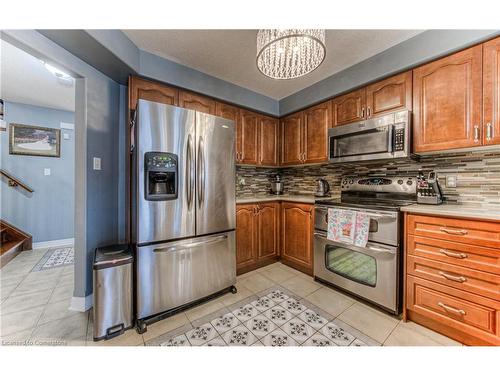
[(370, 272), (379, 138)]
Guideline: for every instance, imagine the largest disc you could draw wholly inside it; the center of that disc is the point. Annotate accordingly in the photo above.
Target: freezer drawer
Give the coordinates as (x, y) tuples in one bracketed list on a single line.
[(175, 273)]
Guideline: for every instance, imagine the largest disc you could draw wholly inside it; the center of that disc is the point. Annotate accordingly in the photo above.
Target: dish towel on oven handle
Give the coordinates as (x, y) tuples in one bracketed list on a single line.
[(348, 226)]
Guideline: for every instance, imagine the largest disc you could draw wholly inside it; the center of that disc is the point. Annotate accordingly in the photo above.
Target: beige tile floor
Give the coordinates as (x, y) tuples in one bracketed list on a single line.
[(34, 308)]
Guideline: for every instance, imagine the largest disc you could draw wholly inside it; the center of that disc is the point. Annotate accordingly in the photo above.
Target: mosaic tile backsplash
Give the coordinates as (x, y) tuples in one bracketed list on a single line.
[(477, 174)]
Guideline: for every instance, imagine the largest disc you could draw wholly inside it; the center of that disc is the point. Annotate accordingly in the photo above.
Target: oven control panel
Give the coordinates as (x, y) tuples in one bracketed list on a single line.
[(405, 185)]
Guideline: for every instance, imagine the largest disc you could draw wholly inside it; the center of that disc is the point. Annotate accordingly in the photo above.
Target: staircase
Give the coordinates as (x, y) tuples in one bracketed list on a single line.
[(13, 241)]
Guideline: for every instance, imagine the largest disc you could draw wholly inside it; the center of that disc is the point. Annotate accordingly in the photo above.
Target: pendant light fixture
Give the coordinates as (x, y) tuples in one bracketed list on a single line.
[(290, 53)]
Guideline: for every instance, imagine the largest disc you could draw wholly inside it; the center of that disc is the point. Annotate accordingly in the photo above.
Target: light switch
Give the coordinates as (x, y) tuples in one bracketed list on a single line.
[(46, 171), (97, 164), (66, 136)]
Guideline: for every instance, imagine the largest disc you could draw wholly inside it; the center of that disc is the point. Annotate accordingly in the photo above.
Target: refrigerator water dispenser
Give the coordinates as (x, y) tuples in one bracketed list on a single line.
[(161, 176)]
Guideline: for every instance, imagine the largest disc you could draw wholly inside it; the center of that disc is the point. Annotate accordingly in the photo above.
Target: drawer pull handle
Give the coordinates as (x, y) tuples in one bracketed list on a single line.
[(458, 232), (452, 254), (458, 279), (451, 309)]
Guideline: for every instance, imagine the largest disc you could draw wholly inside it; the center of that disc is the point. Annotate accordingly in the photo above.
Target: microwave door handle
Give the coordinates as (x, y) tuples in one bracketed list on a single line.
[(390, 142)]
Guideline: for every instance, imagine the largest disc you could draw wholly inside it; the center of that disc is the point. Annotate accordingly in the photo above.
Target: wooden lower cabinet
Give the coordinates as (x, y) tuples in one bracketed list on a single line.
[(297, 235), (257, 235), (452, 275)]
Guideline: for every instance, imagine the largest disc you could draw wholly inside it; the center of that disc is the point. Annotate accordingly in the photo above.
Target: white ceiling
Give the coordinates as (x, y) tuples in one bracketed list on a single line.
[(230, 54), (24, 79)]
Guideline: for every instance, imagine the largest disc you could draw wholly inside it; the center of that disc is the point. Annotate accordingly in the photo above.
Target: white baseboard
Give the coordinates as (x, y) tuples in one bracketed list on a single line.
[(54, 243), (81, 304)]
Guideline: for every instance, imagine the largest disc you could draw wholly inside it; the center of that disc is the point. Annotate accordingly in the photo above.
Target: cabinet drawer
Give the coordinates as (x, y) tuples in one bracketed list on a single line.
[(475, 257), (482, 283), (480, 233), (471, 314)]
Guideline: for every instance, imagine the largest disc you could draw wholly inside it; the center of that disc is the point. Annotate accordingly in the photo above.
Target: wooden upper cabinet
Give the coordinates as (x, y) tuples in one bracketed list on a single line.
[(291, 139), (248, 131), (227, 111), (268, 229), (246, 235), (349, 107), (491, 92), (317, 120), (447, 96), (197, 102), (156, 92), (268, 141), (391, 94)]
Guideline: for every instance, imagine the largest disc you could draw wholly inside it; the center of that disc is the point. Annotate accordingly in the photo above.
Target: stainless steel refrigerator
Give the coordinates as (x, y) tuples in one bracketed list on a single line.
[(183, 207)]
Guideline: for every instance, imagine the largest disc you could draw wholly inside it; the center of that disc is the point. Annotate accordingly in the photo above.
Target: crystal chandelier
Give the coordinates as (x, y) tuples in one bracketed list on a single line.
[(290, 53)]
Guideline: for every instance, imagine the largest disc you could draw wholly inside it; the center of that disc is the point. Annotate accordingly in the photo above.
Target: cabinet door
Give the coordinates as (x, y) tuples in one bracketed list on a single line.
[(491, 92), (156, 92), (246, 238), (268, 230), (231, 113), (349, 107), (248, 128), (268, 141), (391, 94), (447, 102), (296, 235), (291, 139), (317, 120), (197, 102)]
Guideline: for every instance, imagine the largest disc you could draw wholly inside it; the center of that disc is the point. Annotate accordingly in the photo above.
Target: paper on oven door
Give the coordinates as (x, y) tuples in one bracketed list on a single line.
[(347, 226)]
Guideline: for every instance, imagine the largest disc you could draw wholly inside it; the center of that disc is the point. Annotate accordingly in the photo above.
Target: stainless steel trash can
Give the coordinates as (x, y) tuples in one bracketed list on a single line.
[(112, 291)]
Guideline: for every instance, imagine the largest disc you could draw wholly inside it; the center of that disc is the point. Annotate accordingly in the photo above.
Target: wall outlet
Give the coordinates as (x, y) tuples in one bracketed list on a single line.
[(66, 136), (46, 171), (97, 164), (451, 181), (241, 181)]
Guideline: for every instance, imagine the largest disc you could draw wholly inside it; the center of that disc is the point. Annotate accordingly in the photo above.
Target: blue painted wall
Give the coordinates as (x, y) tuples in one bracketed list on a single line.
[(54, 198)]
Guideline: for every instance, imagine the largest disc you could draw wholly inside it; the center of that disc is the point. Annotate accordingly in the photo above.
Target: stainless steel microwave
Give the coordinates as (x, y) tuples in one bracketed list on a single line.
[(380, 138)]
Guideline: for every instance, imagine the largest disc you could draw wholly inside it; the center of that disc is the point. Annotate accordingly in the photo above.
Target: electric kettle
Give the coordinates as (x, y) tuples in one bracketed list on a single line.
[(323, 188)]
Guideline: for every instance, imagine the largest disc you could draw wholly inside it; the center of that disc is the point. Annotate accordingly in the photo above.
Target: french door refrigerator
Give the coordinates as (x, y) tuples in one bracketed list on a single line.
[(183, 208)]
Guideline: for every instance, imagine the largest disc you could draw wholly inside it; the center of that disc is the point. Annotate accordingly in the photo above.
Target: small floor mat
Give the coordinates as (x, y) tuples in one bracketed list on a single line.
[(55, 258)]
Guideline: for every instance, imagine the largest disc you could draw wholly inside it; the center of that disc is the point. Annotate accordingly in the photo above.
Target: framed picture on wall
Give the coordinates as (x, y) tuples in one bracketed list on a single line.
[(34, 140)]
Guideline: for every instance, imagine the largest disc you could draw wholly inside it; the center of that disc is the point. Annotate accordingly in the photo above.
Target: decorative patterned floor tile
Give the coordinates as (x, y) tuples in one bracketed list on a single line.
[(294, 306), (177, 341), (225, 322), (277, 296), (202, 334), (298, 330), (260, 325), (263, 304), (278, 338), (358, 342), (55, 258), (337, 334), (218, 341), (312, 318), (318, 340), (239, 336), (278, 315), (245, 312)]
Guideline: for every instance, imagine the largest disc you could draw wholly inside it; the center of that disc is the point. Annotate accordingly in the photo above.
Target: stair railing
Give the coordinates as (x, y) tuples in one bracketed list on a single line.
[(13, 181)]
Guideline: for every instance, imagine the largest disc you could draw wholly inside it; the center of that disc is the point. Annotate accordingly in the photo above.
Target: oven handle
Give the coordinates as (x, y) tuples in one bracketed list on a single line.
[(368, 213), (376, 249)]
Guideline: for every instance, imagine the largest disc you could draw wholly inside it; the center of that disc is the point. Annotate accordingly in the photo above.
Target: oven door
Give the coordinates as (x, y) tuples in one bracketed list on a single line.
[(370, 272), (384, 225)]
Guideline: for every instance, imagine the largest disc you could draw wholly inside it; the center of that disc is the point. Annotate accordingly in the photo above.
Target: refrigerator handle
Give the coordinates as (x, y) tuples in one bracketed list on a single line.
[(189, 172), (201, 172)]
